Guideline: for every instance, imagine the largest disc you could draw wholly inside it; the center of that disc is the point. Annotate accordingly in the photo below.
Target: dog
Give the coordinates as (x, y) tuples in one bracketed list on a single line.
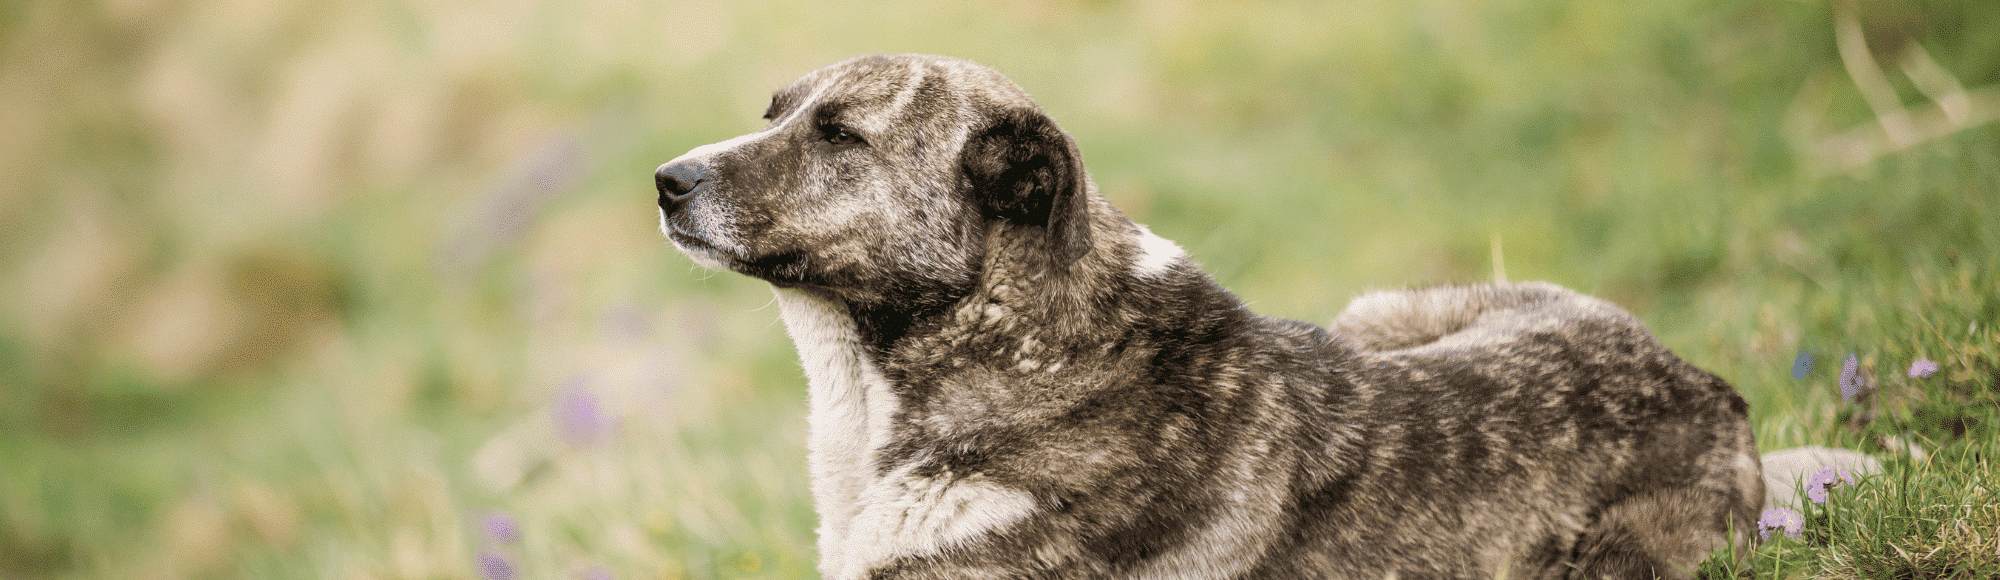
[(1010, 379)]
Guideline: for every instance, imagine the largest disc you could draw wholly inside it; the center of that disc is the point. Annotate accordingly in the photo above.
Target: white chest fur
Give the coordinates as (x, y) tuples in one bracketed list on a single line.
[(867, 519), (851, 407)]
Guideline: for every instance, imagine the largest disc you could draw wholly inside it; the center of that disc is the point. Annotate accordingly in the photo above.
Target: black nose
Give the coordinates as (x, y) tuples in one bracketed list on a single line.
[(677, 180)]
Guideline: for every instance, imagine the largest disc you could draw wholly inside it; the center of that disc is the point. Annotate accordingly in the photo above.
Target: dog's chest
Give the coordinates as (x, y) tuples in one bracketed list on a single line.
[(851, 407), (872, 512)]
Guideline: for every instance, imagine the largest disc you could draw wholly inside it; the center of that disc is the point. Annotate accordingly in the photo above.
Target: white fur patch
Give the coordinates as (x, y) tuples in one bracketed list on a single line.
[(1156, 254), (915, 516), (851, 406)]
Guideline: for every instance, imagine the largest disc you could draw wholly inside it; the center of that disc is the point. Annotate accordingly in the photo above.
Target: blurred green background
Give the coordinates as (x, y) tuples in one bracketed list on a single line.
[(371, 290)]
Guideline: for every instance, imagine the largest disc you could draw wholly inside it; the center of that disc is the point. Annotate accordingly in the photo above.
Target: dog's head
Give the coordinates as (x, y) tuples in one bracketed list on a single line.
[(877, 178)]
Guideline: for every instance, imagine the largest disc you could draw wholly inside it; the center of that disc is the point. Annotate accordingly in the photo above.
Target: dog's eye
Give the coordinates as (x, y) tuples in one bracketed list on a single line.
[(838, 135)]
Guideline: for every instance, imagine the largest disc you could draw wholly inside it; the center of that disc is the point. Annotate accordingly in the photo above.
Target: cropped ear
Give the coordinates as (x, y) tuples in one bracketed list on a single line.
[(1026, 170)]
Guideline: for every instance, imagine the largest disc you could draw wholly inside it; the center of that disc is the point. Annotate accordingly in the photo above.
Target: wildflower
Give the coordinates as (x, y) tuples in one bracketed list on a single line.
[(597, 573), (1802, 365), (501, 526), (1816, 487), (1777, 518), (493, 566), (1851, 382), (579, 414), (1824, 480), (1923, 368)]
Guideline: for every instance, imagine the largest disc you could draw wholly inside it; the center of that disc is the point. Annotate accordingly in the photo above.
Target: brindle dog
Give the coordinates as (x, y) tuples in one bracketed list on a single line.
[(1009, 379)]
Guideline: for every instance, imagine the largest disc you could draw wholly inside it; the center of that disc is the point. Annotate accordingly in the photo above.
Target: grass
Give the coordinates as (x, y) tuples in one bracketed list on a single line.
[(315, 290), (1934, 517)]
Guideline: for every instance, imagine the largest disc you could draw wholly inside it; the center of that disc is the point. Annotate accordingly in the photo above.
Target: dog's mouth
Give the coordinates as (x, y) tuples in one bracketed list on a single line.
[(784, 268), (701, 250), (692, 243)]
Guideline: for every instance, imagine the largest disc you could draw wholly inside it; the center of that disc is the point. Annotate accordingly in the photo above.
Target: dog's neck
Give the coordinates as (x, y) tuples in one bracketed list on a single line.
[(1018, 285)]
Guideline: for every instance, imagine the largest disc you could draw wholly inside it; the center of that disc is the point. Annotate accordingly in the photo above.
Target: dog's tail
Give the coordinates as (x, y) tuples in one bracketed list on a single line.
[(1387, 320)]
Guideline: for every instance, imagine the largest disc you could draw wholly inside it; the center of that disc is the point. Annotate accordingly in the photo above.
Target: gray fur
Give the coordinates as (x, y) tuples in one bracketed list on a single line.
[(1009, 379)]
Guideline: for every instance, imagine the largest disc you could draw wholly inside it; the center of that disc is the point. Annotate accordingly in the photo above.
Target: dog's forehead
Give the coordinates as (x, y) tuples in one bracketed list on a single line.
[(882, 77)]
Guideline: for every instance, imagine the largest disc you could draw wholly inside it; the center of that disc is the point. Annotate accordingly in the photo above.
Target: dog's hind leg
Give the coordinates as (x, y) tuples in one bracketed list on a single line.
[(1663, 533)]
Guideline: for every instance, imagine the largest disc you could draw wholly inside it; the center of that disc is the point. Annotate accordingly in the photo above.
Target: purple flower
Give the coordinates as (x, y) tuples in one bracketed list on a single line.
[(1923, 368), (501, 526), (493, 566), (579, 414), (1816, 486), (597, 573), (1825, 480), (1802, 365), (1776, 518), (1850, 378)]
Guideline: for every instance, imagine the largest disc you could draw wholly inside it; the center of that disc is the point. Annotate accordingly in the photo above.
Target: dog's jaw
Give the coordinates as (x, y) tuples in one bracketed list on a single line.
[(701, 252)]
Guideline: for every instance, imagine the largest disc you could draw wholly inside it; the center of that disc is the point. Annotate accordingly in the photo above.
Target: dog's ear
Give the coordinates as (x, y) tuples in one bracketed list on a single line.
[(1026, 170)]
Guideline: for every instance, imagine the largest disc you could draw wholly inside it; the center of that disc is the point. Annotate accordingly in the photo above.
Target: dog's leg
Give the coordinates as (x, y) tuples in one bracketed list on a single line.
[(907, 515), (1661, 533), (1667, 531)]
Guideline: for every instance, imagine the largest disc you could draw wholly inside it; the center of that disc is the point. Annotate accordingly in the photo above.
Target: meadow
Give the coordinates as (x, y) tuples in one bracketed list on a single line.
[(375, 290)]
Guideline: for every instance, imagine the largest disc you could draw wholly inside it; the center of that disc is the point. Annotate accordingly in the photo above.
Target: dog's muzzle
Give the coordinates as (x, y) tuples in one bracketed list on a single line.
[(679, 180)]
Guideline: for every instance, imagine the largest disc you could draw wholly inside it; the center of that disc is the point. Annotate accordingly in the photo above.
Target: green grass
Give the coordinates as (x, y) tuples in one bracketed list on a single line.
[(295, 290), (1935, 517)]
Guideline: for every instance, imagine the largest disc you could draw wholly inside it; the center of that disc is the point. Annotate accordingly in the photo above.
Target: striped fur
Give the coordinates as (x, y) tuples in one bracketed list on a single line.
[(1009, 379)]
